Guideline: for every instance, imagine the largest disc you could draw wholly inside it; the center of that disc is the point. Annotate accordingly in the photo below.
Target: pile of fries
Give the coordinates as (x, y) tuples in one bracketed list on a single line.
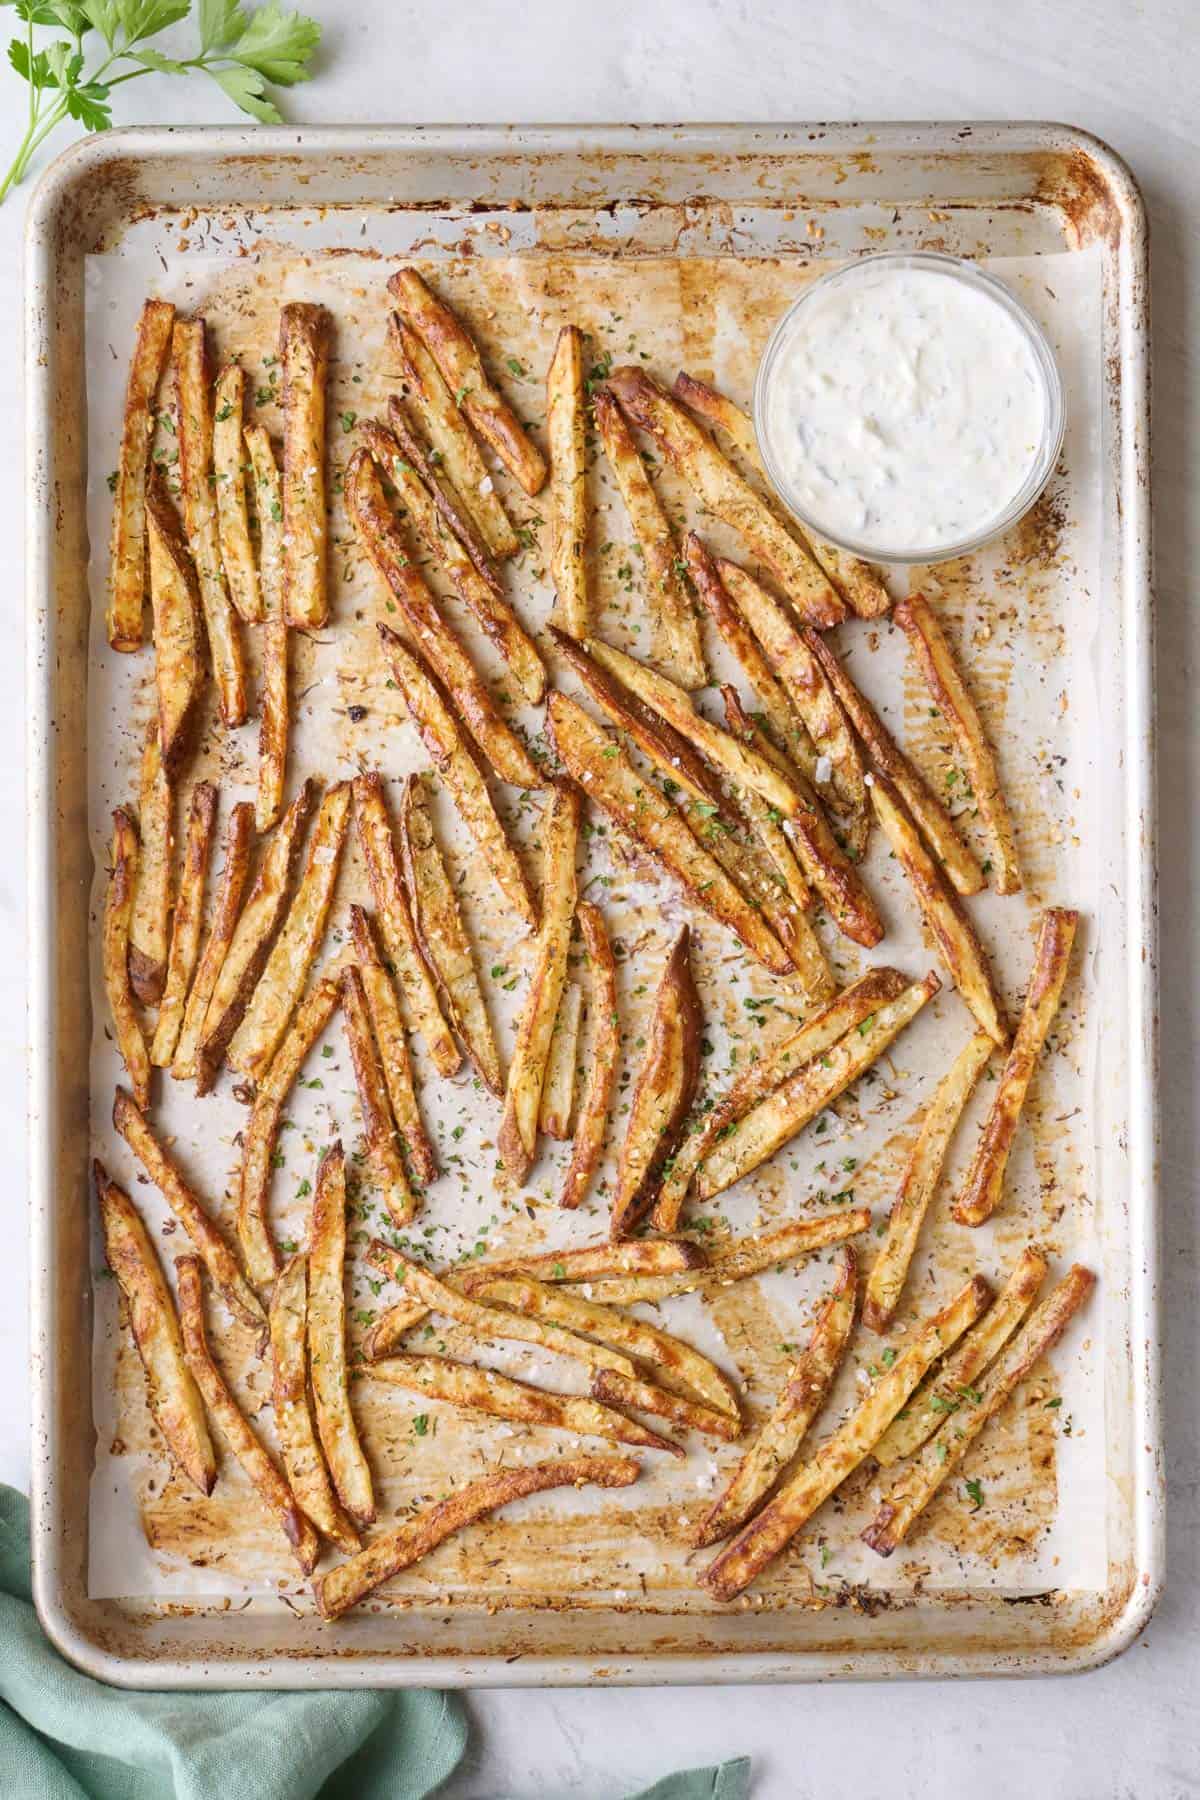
[(761, 822)]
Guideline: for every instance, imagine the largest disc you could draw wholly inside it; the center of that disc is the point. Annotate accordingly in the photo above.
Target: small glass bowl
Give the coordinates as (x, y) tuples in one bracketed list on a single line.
[(1053, 418)]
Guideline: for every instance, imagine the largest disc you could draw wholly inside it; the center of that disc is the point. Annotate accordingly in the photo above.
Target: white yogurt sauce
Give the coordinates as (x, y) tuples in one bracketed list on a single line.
[(905, 409)]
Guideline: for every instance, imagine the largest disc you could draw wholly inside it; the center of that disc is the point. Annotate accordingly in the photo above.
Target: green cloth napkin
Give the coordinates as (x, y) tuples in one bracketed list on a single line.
[(64, 1736)]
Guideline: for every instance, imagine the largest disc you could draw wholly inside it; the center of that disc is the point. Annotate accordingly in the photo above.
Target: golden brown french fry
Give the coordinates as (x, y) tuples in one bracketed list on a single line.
[(517, 1138), (459, 361), (776, 1119), (603, 1053), (941, 1456), (302, 1458), (229, 474), (740, 1258), (647, 1256), (185, 924), (178, 621), (388, 1027), (239, 834), (985, 1178), (568, 483), (429, 465), (379, 1127), (443, 936), (127, 572), (406, 1544), (304, 344), (270, 1486), (767, 822), (327, 1340), (172, 1394), (455, 762), (194, 428), (643, 1396), (664, 1091), (558, 1089), (262, 1131), (948, 691), (759, 1542), (150, 920), (918, 1184), (118, 909), (943, 912), (801, 1398), (720, 488), (273, 699), (282, 981)]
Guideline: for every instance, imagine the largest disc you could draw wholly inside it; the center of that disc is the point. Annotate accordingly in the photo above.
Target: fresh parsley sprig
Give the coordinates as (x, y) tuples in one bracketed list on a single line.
[(245, 49)]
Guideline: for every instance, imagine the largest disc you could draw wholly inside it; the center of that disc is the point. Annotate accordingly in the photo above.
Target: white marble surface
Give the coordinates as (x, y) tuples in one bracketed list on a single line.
[(1128, 70)]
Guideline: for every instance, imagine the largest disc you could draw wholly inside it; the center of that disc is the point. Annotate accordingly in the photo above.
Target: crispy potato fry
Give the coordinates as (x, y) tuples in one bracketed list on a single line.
[(985, 1178), (740, 1258), (647, 1256), (125, 619), (194, 429), (452, 439), (759, 1542), (951, 1383), (172, 1394), (282, 981), (442, 934), (776, 1119), (451, 508), (643, 1396), (260, 1134), (302, 1458), (568, 483), (239, 834), (379, 1127), (179, 669), (801, 1398), (118, 909), (558, 1089), (948, 690), (603, 1054), (664, 1091), (185, 924), (229, 474), (609, 779), (767, 823), (388, 1027), (459, 361), (327, 1340), (406, 1544), (150, 920), (270, 1486), (274, 707), (719, 487), (918, 1184), (304, 344), (938, 1460), (517, 1138)]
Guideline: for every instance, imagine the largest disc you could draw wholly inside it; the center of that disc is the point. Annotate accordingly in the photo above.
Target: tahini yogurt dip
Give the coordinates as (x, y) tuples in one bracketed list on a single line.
[(908, 408)]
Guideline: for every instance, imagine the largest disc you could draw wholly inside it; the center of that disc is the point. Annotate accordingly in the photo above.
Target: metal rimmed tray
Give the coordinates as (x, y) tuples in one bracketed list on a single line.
[(988, 190)]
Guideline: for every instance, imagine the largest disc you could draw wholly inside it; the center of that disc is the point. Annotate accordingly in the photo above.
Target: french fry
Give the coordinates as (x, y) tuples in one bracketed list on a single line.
[(272, 1490), (776, 1119), (239, 833), (643, 1396), (568, 483), (150, 920), (302, 1458), (194, 428), (459, 361), (172, 1394), (949, 1385), (767, 823), (941, 1456), (456, 763), (985, 1178), (229, 474), (517, 1138), (185, 923), (943, 912), (372, 518), (304, 344), (759, 1542), (498, 1396), (118, 909), (281, 983), (801, 1398), (260, 1134), (604, 1049), (631, 1256), (558, 1089), (430, 466), (678, 650), (327, 1340), (388, 1027), (379, 1127), (191, 1212), (274, 708), (406, 1544), (443, 936), (179, 670), (719, 487), (740, 1259), (918, 1184), (125, 618), (664, 1091), (949, 694)]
